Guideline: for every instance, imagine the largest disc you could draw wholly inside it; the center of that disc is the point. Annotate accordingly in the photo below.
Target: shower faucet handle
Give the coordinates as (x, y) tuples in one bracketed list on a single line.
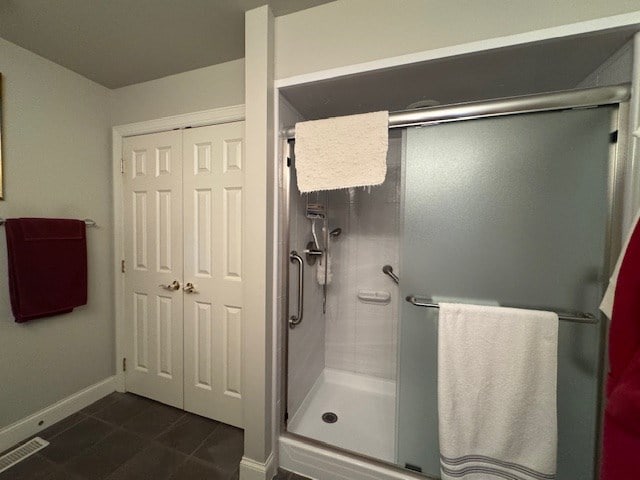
[(388, 270)]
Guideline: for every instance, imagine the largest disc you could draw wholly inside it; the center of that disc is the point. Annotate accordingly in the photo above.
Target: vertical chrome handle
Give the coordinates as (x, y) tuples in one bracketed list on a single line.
[(296, 319)]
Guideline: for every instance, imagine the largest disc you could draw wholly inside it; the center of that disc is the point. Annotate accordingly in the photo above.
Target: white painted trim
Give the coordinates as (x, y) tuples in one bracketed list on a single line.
[(214, 116), (233, 113), (324, 464), (275, 292), (29, 426), (253, 470), (118, 255), (616, 21), (257, 261)]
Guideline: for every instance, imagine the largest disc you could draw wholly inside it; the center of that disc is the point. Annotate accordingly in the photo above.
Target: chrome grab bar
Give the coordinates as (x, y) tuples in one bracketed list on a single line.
[(575, 317), (388, 270), (296, 319)]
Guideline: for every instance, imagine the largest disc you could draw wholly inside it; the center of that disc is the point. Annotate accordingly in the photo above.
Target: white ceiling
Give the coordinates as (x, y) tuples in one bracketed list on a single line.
[(121, 42), (558, 64)]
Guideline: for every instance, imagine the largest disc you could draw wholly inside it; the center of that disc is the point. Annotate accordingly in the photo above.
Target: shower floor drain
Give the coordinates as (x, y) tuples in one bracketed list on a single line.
[(329, 417)]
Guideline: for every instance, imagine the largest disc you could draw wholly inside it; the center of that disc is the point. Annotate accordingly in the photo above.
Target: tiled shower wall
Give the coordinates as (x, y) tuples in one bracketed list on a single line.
[(362, 337)]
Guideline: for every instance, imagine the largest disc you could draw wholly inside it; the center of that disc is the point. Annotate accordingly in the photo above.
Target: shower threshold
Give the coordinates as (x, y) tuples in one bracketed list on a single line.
[(365, 408)]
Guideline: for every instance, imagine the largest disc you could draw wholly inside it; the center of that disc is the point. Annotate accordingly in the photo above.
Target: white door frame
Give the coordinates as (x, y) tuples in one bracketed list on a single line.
[(215, 116)]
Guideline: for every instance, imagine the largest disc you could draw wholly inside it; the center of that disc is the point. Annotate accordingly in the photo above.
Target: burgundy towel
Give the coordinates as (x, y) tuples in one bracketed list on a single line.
[(47, 266), (621, 439)]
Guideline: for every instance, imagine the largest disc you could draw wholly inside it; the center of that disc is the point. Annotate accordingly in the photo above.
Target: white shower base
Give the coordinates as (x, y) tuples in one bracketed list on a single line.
[(366, 410)]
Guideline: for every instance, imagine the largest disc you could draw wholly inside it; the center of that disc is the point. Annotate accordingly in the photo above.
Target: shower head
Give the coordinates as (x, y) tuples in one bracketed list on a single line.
[(315, 210), (335, 232)]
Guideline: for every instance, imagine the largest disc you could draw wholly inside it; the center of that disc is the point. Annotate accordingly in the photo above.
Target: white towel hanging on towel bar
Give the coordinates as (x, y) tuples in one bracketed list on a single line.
[(497, 375)]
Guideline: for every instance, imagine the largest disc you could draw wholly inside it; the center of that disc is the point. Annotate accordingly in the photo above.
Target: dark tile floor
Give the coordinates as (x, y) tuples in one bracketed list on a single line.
[(285, 475), (126, 437)]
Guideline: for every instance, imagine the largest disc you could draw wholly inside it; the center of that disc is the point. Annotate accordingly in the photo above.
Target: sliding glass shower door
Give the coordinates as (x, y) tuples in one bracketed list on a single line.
[(511, 210)]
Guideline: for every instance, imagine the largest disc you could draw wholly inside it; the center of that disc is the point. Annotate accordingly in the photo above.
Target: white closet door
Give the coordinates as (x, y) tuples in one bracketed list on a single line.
[(153, 256), (213, 313)]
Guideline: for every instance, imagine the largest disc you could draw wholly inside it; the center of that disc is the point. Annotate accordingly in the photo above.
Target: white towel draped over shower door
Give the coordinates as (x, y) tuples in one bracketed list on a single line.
[(342, 152), (497, 370)]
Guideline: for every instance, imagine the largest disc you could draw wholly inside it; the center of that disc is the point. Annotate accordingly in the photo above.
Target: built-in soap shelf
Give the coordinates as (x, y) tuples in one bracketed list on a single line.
[(374, 296)]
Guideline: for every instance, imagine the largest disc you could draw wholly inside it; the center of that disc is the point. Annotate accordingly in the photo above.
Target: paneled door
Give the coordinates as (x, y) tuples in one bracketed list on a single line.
[(213, 179), (184, 303), (153, 257)]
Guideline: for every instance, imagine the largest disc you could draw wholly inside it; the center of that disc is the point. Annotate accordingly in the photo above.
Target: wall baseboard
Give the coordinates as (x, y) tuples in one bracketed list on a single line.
[(119, 382), (252, 470), (28, 426)]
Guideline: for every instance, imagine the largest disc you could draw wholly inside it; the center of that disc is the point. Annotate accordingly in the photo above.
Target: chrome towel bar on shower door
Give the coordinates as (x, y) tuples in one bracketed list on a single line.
[(575, 317), (296, 319)]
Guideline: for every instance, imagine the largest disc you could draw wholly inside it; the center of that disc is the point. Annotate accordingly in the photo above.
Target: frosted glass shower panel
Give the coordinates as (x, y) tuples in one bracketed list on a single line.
[(514, 210)]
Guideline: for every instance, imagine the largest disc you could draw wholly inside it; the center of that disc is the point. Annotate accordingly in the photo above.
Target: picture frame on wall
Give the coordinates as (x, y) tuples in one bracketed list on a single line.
[(1, 111)]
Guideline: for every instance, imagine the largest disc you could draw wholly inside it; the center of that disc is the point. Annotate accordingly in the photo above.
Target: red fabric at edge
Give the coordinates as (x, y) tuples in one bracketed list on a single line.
[(621, 439)]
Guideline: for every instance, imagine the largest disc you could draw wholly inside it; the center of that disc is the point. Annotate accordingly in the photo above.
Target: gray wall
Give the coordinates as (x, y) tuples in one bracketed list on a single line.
[(56, 152), (348, 32), (362, 337), (202, 89), (57, 163), (616, 69)]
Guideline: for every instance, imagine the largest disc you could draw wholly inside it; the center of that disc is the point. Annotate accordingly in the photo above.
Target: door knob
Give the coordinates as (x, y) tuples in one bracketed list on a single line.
[(175, 285), (190, 288)]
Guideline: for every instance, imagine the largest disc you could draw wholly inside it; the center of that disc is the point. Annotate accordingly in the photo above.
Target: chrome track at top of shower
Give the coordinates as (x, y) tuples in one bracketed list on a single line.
[(540, 102)]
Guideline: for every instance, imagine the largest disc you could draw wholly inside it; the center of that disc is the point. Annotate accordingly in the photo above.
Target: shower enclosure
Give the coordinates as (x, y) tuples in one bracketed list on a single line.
[(498, 207)]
